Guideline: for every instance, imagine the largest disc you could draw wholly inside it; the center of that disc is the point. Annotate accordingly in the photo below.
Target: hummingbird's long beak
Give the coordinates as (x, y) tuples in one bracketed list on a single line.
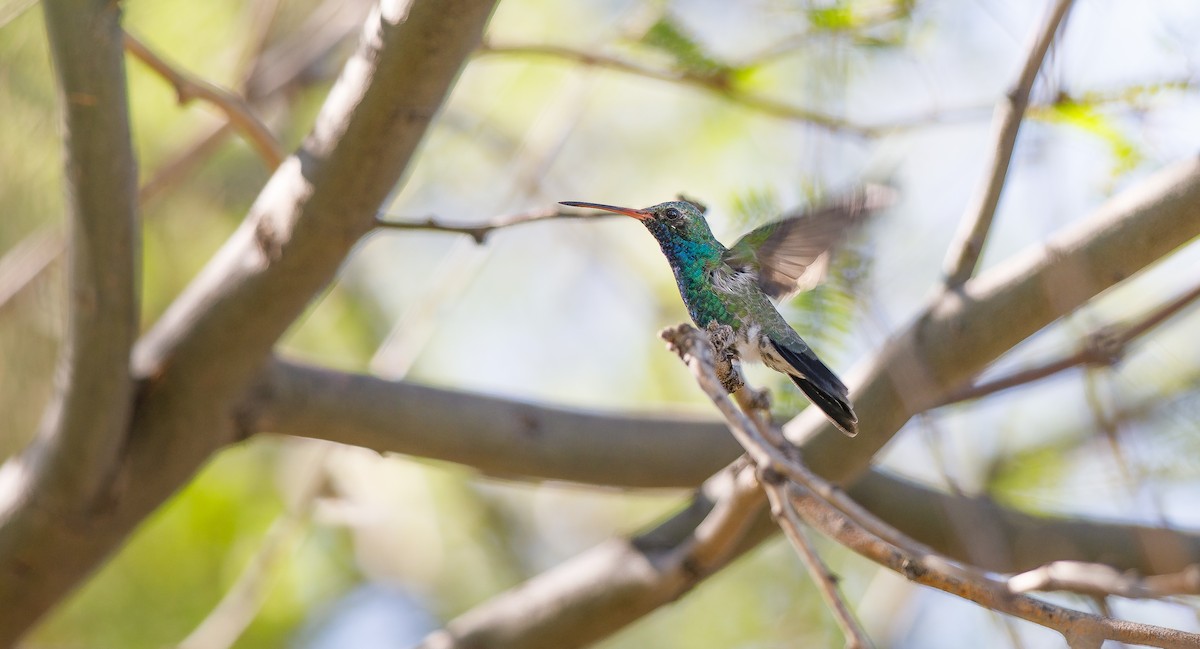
[(640, 215)]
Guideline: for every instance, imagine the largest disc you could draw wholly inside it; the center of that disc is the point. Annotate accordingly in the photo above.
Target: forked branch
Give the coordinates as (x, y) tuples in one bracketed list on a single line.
[(787, 480)]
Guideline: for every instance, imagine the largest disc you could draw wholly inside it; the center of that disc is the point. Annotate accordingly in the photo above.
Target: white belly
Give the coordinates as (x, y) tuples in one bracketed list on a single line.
[(749, 346)]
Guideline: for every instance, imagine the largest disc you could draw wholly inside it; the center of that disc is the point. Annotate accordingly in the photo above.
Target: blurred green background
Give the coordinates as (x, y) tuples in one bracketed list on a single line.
[(566, 312)]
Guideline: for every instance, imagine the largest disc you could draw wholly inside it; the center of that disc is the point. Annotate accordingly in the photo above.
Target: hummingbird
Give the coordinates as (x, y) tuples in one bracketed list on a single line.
[(734, 286)]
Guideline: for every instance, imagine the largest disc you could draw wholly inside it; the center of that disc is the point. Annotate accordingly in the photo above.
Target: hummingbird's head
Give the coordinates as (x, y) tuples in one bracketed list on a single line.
[(666, 221)]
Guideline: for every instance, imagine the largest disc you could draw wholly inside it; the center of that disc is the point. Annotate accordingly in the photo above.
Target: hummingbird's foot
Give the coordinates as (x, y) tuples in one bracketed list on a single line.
[(724, 344), (722, 338)]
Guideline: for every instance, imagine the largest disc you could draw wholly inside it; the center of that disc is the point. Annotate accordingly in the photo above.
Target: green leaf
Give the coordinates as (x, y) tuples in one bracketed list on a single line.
[(688, 56), (836, 18), (1086, 117)]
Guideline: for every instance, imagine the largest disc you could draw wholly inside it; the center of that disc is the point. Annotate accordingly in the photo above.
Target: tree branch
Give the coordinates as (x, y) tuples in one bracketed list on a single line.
[(1006, 122), (57, 485), (480, 232), (960, 333), (188, 87), (1099, 580), (315, 207), (1105, 346), (498, 436), (717, 85), (512, 439), (1080, 629), (25, 261), (616, 582), (711, 369)]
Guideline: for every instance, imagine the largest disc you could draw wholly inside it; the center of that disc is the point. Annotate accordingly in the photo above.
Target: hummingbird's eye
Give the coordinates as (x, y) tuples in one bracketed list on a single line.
[(672, 214)]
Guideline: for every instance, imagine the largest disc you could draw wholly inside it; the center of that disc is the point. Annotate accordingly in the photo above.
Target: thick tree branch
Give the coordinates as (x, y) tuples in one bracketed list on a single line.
[(616, 582), (315, 207), (61, 481), (498, 436), (512, 439), (1006, 122), (961, 332)]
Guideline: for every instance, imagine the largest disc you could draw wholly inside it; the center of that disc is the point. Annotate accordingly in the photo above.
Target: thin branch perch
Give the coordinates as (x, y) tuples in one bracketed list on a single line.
[(481, 231), (914, 562)]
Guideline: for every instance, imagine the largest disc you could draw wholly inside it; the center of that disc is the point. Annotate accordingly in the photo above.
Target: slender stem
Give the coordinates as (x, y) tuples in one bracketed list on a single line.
[(481, 231), (793, 529), (968, 243), (235, 109), (25, 261), (717, 84)]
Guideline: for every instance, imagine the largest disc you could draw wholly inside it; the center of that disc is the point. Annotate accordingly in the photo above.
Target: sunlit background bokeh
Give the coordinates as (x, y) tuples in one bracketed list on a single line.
[(330, 546)]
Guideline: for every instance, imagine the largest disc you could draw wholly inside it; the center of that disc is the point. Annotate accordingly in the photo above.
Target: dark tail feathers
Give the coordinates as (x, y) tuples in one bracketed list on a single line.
[(823, 388)]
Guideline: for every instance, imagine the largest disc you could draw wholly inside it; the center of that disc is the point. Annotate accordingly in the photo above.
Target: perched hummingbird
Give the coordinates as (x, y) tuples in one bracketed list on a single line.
[(733, 286)]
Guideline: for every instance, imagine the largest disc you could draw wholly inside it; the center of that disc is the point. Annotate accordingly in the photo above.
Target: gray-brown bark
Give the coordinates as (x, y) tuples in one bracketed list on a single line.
[(213, 340), (106, 459)]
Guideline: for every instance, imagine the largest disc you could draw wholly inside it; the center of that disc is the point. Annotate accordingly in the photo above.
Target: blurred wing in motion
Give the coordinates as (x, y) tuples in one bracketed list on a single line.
[(793, 255)]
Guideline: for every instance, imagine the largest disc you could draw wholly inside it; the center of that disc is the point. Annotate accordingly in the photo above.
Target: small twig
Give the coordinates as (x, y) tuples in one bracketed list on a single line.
[(13, 10), (230, 618), (183, 162), (715, 83), (1106, 346), (25, 261), (827, 582), (235, 109), (480, 232), (1100, 580), (968, 242)]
